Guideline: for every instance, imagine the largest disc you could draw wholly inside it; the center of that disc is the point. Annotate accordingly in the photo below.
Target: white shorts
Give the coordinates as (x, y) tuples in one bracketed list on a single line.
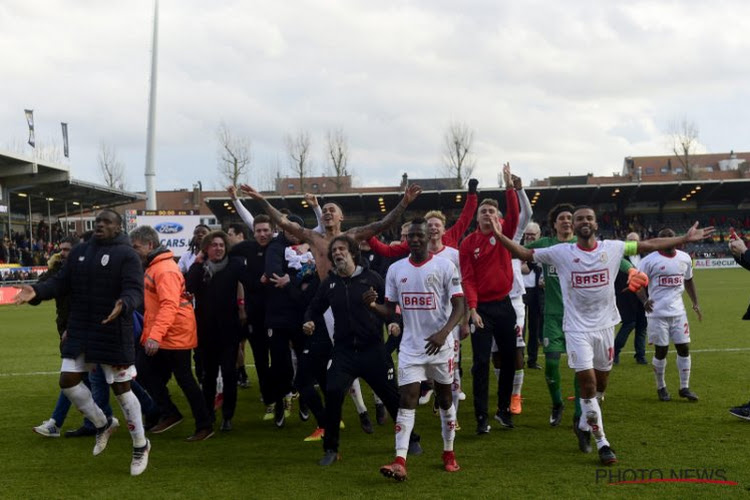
[(587, 350), (440, 370), (661, 330), (111, 374)]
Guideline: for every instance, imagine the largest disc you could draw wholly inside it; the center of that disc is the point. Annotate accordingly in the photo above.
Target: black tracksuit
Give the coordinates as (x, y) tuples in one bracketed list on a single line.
[(218, 329), (254, 256), (358, 350)]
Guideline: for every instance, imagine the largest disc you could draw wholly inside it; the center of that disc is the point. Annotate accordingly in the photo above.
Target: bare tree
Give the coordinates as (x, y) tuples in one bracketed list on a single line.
[(110, 167), (234, 156), (298, 148), (46, 150), (683, 135), (338, 154), (458, 153)]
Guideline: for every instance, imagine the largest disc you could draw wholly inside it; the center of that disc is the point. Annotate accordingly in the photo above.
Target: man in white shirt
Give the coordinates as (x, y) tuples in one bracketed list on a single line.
[(670, 272), (587, 271), (428, 290)]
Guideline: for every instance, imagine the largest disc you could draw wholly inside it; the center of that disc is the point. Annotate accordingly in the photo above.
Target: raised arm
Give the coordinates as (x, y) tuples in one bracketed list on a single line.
[(242, 211), (277, 217), (510, 221), (312, 200), (525, 212), (694, 234), (454, 233), (516, 250), (394, 251), (375, 228)]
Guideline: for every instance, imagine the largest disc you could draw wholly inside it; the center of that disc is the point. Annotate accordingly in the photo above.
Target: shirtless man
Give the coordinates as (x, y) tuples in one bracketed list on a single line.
[(332, 218)]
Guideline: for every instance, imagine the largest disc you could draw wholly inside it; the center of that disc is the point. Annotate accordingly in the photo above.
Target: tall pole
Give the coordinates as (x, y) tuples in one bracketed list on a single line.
[(150, 171)]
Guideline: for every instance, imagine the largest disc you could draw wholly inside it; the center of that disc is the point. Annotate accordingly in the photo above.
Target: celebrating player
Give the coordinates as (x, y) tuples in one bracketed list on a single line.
[(670, 272), (586, 270), (428, 289)]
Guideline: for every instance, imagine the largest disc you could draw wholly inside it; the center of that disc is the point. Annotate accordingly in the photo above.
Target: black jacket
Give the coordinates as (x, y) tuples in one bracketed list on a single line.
[(284, 306), (216, 302), (254, 257), (62, 302), (96, 275), (357, 326)]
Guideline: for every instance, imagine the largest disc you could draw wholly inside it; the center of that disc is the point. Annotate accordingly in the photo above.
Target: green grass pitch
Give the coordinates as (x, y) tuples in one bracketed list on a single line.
[(256, 460)]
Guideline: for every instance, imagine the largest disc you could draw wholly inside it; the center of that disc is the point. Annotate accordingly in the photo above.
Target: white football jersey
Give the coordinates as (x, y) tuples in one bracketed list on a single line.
[(587, 282), (666, 282), (424, 292)]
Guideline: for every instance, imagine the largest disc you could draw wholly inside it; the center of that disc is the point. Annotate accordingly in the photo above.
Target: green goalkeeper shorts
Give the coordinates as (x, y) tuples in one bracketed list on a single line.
[(552, 333)]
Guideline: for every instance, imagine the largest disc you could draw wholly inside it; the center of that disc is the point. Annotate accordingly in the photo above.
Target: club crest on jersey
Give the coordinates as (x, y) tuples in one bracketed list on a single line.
[(80, 259), (431, 279), (603, 257), (105, 259), (493, 241)]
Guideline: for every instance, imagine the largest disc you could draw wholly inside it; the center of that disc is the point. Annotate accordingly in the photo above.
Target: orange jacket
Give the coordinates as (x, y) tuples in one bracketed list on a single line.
[(169, 318)]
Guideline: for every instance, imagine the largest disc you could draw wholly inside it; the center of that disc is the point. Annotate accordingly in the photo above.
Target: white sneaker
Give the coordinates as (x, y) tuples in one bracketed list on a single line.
[(48, 428), (461, 396), (140, 459), (425, 398), (102, 436)]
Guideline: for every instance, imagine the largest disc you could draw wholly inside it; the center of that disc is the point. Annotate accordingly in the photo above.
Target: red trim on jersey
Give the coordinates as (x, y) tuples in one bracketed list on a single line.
[(428, 259), (588, 249)]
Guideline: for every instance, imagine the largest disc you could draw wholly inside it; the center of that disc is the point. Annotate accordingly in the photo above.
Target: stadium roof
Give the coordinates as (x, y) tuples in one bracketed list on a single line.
[(49, 186), (724, 194)]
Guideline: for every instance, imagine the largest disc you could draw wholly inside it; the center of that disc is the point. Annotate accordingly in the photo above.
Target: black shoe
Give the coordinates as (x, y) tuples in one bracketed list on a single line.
[(505, 419), (329, 458), (278, 415), (366, 423), (556, 416), (663, 394), (226, 425), (607, 455), (641, 361), (534, 366), (415, 448), (742, 412), (82, 431), (380, 414), (482, 426), (584, 437), (686, 393), (304, 412)]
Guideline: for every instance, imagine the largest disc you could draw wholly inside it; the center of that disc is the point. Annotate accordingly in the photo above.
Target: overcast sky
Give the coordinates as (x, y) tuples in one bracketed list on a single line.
[(553, 87)]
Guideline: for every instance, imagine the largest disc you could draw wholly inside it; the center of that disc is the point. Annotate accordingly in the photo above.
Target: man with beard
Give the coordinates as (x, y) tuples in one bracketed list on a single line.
[(587, 269), (358, 350)]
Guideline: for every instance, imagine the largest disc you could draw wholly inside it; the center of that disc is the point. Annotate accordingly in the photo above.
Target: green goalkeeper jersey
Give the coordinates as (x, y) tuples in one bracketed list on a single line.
[(553, 303)]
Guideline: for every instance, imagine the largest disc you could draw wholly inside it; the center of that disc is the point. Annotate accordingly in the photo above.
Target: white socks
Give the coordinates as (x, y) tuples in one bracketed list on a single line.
[(593, 421), (131, 407), (448, 420), (355, 391), (517, 382), (683, 365), (80, 396), (660, 366), (404, 426)]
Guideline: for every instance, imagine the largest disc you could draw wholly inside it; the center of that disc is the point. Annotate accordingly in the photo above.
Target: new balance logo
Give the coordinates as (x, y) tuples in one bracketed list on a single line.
[(403, 280)]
